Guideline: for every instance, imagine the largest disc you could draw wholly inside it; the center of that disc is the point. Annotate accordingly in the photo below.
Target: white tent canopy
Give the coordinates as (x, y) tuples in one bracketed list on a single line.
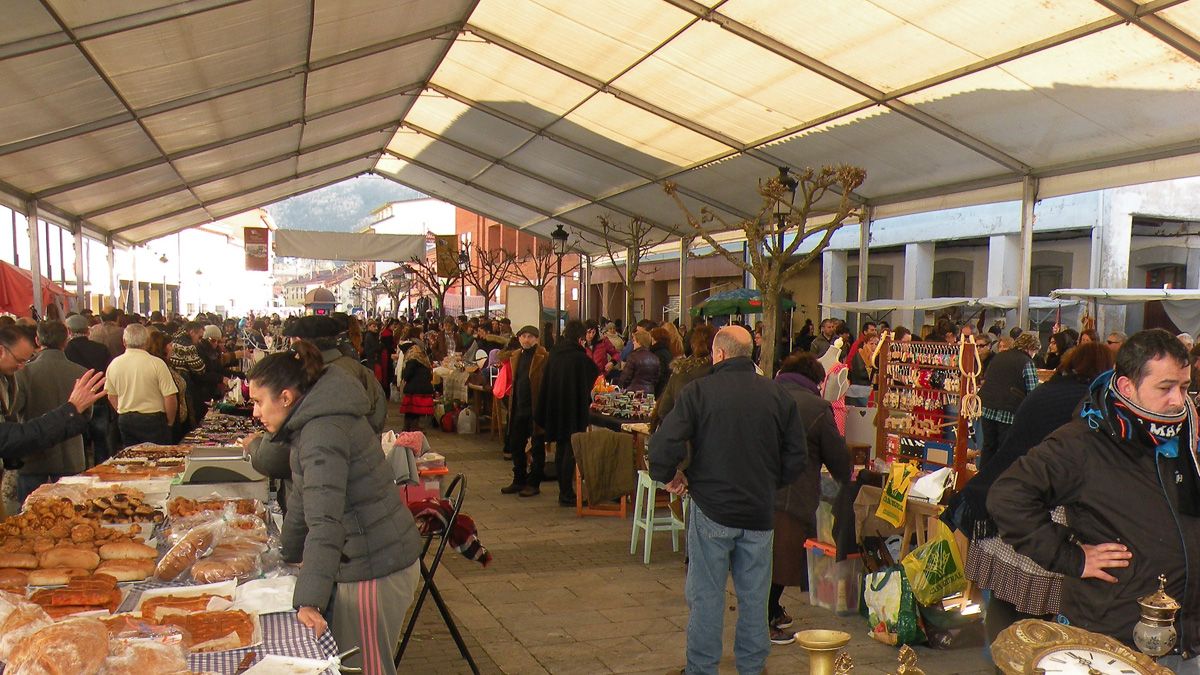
[(1182, 305), (1128, 296), (348, 245), (934, 304), (139, 118)]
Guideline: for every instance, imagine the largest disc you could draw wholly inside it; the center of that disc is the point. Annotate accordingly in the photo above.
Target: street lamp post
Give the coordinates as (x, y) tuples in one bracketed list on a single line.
[(559, 237), (464, 260)]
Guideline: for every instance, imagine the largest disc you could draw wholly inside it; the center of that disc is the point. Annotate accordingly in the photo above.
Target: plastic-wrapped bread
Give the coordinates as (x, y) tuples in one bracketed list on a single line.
[(192, 547), (143, 657), (69, 647)]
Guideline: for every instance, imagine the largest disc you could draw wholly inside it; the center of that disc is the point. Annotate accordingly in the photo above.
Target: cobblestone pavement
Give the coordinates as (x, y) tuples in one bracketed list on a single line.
[(563, 595)]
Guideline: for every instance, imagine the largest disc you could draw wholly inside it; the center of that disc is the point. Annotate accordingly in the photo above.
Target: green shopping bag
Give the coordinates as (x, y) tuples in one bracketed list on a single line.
[(891, 609), (935, 568)]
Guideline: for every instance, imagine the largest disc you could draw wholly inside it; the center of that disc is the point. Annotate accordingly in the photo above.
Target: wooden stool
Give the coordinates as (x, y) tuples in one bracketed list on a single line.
[(617, 510)]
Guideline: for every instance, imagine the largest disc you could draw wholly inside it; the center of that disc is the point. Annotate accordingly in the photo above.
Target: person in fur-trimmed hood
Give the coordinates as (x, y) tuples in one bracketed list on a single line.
[(685, 369), (1126, 473)]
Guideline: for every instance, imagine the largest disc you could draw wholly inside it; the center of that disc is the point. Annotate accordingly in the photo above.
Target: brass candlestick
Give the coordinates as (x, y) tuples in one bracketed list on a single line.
[(822, 647)]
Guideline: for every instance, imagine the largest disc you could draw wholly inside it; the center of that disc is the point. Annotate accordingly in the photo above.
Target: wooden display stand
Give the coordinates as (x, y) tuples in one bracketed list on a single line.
[(917, 383)]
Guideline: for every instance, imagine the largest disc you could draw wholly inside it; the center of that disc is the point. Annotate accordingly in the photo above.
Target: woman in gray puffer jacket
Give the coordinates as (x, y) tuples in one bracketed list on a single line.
[(345, 521)]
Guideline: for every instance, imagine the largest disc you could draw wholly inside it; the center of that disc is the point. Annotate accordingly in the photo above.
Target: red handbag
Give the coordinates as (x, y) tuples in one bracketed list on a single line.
[(504, 381)]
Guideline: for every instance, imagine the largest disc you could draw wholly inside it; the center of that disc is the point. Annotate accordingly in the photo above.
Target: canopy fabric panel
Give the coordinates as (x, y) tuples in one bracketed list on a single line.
[(139, 117), (348, 245)]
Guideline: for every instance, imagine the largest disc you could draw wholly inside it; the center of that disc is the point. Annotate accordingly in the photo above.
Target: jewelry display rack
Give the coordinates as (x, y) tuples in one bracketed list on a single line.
[(927, 392)]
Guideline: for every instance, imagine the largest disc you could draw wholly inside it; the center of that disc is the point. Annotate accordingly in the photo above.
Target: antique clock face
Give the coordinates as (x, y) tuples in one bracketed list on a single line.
[(1082, 660)]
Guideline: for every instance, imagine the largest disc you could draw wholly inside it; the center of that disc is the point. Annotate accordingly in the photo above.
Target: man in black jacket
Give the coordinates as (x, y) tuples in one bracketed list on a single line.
[(18, 439), (1126, 473), (561, 408), (747, 441), (92, 355)]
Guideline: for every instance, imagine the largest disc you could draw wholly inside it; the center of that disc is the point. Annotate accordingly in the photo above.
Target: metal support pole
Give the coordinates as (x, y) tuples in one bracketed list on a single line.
[(16, 253), (62, 261), (628, 290), (135, 292), (558, 299), (49, 261), (864, 256), (80, 256), (35, 259), (585, 286), (1028, 200), (685, 281)]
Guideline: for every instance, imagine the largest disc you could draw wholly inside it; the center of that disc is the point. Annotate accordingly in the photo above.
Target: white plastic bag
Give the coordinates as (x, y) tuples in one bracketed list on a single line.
[(930, 487), (467, 424), (387, 441)]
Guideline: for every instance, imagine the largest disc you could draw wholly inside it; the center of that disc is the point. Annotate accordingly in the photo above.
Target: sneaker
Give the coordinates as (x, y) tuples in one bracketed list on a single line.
[(511, 489), (781, 620), (531, 491), (782, 637)]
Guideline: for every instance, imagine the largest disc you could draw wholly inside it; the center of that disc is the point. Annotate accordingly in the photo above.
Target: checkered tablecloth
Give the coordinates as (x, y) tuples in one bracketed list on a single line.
[(282, 634), (994, 565)]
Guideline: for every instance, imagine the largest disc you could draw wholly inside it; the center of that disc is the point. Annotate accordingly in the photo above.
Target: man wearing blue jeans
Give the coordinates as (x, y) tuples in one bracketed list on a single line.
[(746, 441)]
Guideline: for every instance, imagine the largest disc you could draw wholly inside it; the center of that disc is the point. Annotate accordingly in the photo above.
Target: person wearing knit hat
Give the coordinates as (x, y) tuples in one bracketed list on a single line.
[(530, 330)]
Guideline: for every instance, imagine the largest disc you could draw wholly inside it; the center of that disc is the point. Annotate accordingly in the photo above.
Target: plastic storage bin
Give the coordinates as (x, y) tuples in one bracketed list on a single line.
[(825, 523), (833, 585)]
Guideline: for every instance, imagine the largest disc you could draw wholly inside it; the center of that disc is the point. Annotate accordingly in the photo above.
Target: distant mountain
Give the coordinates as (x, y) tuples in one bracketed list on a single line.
[(341, 207)]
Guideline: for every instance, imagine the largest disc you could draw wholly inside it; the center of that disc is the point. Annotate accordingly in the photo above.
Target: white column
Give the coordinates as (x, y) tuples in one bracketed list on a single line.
[(1115, 231), (35, 260), (80, 253), (918, 281), (1028, 202), (833, 282), (748, 279), (1004, 263)]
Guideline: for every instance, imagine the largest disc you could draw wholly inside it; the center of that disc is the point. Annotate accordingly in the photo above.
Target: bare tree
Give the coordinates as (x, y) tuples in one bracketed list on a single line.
[(538, 267), (487, 271), (630, 240), (424, 274), (771, 252), (395, 284)]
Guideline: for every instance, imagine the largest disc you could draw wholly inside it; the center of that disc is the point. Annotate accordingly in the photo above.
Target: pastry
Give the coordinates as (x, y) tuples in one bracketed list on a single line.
[(18, 561), (214, 631), (191, 547), (157, 608)]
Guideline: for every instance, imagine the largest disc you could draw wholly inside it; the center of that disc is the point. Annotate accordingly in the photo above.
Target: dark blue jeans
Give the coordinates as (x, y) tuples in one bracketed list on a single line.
[(101, 433), (144, 428), (28, 482)]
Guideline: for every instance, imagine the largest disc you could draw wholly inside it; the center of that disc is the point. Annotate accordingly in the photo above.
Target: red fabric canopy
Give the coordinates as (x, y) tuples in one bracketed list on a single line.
[(16, 290)]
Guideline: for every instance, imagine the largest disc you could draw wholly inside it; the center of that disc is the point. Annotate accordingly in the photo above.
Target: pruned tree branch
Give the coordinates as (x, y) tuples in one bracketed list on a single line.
[(425, 275), (487, 271), (769, 250), (538, 267), (632, 240)]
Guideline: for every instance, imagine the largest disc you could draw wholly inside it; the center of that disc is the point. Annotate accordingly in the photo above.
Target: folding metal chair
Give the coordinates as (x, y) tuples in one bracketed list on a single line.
[(428, 587)]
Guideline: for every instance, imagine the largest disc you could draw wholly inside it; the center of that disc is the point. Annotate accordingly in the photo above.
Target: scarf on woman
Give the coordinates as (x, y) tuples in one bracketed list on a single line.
[(417, 353), (798, 379)]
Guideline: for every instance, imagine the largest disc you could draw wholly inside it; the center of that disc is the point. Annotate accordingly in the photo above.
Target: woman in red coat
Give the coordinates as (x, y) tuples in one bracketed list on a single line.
[(601, 351)]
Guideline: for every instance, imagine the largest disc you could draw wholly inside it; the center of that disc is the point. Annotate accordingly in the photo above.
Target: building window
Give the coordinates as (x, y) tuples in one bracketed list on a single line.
[(1045, 278), (877, 288), (949, 284)]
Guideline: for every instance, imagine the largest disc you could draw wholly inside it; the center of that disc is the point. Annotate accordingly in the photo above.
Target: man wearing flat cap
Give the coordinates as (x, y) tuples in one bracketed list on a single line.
[(526, 366)]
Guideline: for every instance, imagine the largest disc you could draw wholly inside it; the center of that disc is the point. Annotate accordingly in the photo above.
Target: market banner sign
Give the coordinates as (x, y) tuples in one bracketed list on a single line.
[(446, 248), (257, 248)]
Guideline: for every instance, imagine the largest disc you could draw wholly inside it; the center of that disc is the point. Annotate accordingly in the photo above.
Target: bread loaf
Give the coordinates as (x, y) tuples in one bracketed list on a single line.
[(23, 561), (127, 550), (13, 578), (69, 647), (214, 631), (55, 576), (24, 619), (193, 546), (155, 609), (143, 657), (127, 570), (69, 557)]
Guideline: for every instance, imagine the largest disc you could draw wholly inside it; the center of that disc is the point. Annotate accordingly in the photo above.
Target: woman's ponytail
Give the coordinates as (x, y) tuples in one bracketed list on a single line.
[(297, 368)]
